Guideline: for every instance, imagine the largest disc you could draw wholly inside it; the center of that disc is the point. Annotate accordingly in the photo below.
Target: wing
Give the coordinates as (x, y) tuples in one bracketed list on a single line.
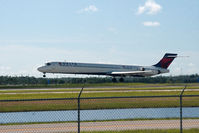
[(132, 73)]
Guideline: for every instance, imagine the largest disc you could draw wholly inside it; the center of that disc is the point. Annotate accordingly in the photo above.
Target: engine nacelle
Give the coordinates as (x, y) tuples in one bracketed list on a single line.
[(156, 71), (159, 71), (142, 69)]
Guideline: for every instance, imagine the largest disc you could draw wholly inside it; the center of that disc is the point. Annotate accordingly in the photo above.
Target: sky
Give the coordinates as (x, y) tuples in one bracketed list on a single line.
[(133, 32)]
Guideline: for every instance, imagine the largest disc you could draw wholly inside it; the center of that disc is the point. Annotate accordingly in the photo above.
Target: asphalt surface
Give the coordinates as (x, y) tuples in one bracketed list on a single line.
[(105, 87), (100, 126), (89, 90), (100, 91)]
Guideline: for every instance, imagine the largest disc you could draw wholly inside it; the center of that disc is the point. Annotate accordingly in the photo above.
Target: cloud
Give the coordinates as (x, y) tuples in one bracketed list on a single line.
[(113, 30), (90, 8), (191, 65), (151, 24), (150, 7)]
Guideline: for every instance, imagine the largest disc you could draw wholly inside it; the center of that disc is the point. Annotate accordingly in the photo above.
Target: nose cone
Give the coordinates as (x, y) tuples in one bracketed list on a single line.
[(41, 69)]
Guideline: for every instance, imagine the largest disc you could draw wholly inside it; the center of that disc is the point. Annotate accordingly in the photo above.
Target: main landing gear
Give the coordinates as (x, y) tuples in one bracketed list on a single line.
[(121, 79), (114, 80)]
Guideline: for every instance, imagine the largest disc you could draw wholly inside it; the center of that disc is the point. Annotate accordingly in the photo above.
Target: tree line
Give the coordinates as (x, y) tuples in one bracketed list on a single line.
[(26, 80)]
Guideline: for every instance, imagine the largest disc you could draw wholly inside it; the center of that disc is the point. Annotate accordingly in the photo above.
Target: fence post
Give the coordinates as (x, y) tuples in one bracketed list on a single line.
[(181, 95), (78, 108)]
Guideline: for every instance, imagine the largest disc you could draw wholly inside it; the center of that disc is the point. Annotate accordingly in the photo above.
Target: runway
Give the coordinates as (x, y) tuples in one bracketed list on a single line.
[(102, 91), (100, 126), (95, 90)]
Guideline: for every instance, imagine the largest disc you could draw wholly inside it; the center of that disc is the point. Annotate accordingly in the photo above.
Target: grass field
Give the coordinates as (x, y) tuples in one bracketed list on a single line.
[(86, 85), (97, 104), (16, 96), (96, 89), (71, 85), (114, 91)]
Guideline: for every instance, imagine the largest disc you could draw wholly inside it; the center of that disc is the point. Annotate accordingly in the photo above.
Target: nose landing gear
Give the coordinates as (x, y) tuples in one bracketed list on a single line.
[(44, 75)]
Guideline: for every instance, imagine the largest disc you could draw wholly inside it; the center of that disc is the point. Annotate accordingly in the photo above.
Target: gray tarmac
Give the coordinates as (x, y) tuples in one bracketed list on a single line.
[(102, 91), (100, 126)]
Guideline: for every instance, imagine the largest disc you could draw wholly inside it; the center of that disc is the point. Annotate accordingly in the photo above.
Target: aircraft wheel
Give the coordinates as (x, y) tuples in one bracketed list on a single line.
[(121, 79), (44, 75), (114, 80)]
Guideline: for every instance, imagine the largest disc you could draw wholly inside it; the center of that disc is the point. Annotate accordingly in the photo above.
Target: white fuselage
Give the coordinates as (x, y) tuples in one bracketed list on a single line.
[(100, 69)]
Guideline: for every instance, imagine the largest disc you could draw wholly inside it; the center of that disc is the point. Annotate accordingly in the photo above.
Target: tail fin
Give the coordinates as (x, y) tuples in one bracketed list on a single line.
[(166, 60)]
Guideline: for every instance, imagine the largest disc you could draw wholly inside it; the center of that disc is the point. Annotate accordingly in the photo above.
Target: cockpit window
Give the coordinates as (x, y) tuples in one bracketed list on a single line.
[(48, 64)]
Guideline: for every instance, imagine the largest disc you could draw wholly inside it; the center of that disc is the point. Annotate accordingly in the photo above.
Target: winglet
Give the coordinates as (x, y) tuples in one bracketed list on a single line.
[(166, 60)]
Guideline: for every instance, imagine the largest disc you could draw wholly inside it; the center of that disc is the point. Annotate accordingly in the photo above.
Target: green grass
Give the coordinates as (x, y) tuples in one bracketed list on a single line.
[(97, 89), (95, 103), (92, 85), (70, 85), (4, 96)]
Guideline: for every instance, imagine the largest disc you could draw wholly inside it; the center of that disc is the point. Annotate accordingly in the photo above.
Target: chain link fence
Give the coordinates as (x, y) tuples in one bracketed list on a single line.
[(102, 114)]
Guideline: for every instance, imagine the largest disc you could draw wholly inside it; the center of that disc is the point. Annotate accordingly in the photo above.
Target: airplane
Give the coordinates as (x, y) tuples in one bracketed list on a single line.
[(109, 69)]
